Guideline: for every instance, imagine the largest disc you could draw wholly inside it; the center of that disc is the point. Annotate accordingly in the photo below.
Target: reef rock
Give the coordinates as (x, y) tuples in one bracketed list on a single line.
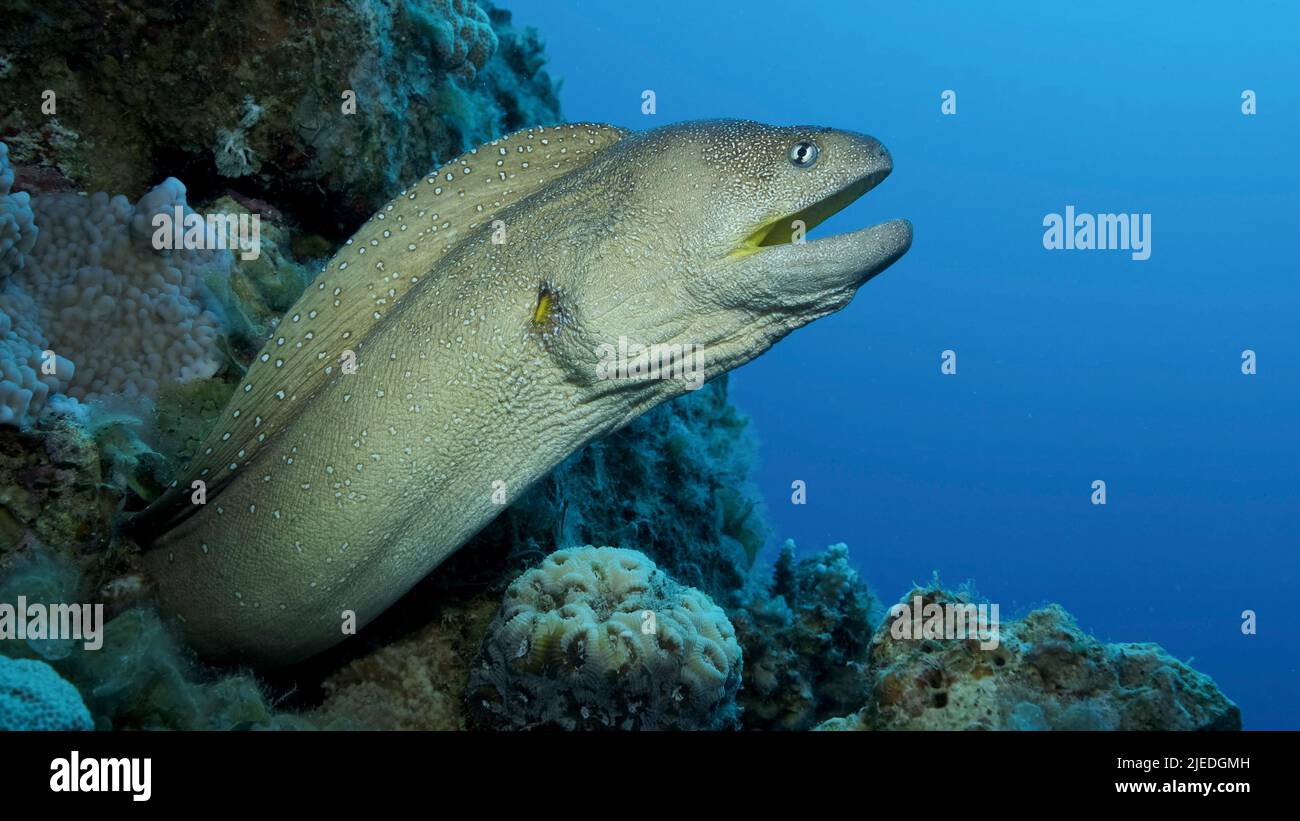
[(260, 288), (140, 678), (806, 638), (600, 638), (55, 488), (416, 682), (1044, 674), (325, 109)]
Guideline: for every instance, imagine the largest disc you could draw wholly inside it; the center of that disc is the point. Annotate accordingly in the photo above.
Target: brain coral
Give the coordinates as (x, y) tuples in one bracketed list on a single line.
[(90, 308), (458, 30), (34, 697), (600, 638)]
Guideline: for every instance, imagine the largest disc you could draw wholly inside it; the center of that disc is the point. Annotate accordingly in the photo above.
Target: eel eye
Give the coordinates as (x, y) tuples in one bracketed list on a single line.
[(803, 154)]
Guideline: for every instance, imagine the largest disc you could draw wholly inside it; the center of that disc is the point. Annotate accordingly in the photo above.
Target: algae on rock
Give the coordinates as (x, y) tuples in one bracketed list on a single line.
[(1044, 674), (806, 637), (323, 109)]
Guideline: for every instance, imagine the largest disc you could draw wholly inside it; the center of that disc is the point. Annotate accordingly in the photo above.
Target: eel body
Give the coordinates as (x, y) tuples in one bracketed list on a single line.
[(450, 355)]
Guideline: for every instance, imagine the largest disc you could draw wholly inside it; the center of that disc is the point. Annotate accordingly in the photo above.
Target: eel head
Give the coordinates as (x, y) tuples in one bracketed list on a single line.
[(706, 242)]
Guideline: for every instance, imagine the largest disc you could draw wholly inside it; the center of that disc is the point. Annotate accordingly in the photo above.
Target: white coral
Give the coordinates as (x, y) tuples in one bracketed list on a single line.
[(91, 309), (234, 157), (28, 375), (17, 230)]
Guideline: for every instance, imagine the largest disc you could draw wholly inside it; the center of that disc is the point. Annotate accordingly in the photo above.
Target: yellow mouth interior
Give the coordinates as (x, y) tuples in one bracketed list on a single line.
[(782, 231)]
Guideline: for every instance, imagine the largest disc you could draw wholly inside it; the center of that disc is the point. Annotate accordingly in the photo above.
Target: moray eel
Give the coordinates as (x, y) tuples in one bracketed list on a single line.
[(446, 357)]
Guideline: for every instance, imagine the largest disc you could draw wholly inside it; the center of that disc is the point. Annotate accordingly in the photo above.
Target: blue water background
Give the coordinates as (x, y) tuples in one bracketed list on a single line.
[(1072, 366)]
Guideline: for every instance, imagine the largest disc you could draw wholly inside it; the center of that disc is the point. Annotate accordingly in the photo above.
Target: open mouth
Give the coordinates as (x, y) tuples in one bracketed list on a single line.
[(781, 231)]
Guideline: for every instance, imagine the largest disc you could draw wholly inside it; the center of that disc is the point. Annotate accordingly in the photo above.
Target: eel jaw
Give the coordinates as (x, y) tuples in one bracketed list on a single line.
[(830, 266), (847, 261), (780, 231)]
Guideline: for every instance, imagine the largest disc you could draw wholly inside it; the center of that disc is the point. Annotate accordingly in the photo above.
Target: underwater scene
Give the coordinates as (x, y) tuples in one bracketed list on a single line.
[(582, 365)]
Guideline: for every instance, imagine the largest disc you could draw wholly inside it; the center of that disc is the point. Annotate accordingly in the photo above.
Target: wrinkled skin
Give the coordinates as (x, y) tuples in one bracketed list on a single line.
[(485, 375)]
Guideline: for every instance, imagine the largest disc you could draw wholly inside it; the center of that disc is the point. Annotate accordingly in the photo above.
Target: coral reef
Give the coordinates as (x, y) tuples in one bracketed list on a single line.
[(55, 488), (25, 386), (128, 317), (140, 678), (516, 78), (600, 638), (416, 682), (259, 289), (459, 31), (430, 78), (17, 227), (675, 482), (323, 109), (806, 638), (90, 312), (91, 309), (1045, 674), (33, 697), (23, 382)]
